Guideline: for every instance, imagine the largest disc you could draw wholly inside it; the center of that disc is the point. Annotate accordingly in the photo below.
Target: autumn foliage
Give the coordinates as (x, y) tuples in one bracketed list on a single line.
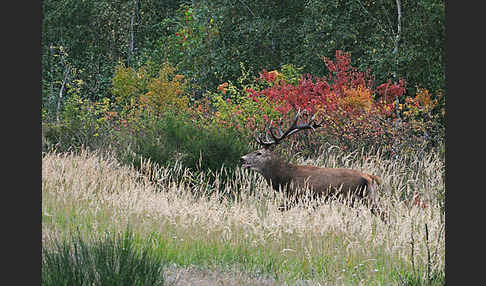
[(355, 110), (137, 89)]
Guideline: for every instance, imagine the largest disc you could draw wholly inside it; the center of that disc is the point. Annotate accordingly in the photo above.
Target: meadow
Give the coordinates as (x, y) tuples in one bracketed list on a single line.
[(97, 211), (148, 106)]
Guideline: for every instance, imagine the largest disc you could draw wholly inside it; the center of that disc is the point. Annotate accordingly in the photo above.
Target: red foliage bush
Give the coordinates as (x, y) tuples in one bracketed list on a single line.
[(354, 111)]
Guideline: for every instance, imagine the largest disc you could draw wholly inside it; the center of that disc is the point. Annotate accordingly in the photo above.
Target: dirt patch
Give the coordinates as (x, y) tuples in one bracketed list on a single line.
[(192, 275), (197, 276)]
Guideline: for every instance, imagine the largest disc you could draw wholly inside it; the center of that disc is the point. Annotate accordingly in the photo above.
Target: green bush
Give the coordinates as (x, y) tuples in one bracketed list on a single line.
[(82, 123), (112, 260), (172, 138)]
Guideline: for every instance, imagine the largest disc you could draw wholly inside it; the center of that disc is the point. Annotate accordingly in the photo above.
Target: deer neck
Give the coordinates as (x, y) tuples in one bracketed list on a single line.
[(278, 172)]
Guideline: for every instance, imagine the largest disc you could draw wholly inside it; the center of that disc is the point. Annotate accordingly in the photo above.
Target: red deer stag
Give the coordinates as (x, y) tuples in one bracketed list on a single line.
[(322, 182)]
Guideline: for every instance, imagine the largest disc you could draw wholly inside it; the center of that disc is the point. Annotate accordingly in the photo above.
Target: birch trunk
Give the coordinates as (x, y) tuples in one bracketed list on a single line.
[(59, 99)]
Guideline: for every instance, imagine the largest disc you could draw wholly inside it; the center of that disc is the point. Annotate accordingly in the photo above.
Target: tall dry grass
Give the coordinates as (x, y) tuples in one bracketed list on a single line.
[(331, 243)]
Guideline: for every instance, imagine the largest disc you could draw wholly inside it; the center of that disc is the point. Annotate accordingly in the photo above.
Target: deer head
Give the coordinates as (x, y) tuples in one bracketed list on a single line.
[(259, 159)]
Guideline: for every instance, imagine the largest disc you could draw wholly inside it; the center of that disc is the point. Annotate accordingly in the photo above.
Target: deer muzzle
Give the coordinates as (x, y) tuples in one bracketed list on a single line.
[(244, 163)]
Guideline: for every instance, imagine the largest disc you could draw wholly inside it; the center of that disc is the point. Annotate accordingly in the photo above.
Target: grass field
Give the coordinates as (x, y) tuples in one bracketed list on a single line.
[(89, 199)]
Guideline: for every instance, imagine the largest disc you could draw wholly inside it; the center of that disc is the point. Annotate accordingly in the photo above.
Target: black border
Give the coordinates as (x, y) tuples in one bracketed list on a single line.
[(21, 142)]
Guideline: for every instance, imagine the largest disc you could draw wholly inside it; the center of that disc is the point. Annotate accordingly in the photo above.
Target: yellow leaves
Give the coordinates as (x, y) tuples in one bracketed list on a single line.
[(165, 91), (275, 73), (359, 98), (422, 103), (423, 98), (127, 84), (136, 88)]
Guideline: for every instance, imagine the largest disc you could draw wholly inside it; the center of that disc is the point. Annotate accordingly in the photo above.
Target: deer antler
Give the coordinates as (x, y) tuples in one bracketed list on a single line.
[(266, 142)]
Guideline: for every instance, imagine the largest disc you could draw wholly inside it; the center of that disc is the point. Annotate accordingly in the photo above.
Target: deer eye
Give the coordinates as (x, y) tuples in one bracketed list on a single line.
[(259, 153)]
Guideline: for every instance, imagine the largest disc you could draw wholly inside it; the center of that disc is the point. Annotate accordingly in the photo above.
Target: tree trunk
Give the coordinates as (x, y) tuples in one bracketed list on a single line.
[(395, 50), (66, 74), (397, 38), (131, 44)]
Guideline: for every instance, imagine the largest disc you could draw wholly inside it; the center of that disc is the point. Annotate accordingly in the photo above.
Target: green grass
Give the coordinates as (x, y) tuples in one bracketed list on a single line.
[(92, 195), (111, 259)]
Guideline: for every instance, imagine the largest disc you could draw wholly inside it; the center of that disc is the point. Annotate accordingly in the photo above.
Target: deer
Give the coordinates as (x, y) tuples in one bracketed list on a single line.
[(295, 180)]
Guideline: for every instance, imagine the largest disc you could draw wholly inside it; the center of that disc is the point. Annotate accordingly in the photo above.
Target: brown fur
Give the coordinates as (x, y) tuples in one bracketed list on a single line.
[(322, 182)]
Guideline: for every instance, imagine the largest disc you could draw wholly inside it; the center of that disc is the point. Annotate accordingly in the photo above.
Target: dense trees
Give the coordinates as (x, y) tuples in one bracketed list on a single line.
[(207, 40)]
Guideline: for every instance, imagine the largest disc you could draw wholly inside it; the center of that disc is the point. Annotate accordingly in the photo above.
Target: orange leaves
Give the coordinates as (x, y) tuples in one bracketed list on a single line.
[(222, 87), (423, 98), (420, 104), (358, 98)]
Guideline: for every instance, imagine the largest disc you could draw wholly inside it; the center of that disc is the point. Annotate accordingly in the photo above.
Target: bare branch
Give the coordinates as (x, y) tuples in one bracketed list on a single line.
[(251, 12)]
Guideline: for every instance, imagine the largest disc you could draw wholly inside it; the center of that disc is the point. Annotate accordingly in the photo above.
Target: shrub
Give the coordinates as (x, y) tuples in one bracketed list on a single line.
[(112, 260), (127, 85), (425, 115), (237, 108), (137, 89), (165, 91), (354, 112), (171, 138), (82, 123)]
